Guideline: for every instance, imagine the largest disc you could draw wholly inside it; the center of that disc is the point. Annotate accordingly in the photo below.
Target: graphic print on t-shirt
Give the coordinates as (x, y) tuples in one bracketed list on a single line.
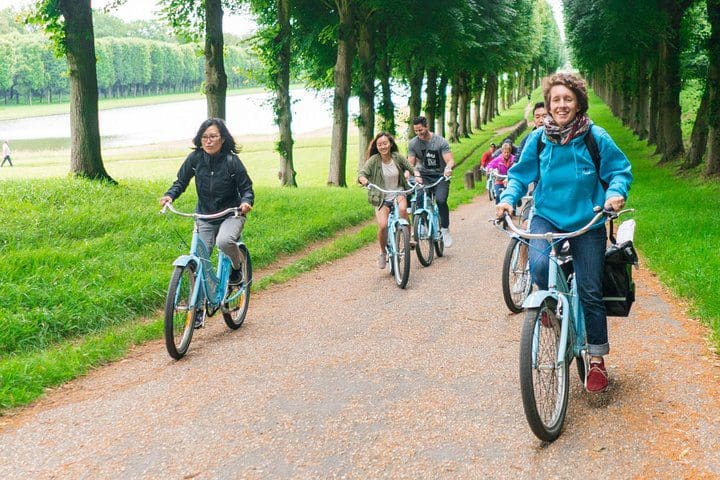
[(432, 159)]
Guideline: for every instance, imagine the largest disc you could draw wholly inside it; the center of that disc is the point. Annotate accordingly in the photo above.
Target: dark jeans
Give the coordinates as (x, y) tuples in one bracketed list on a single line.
[(588, 253), (442, 190), (499, 188)]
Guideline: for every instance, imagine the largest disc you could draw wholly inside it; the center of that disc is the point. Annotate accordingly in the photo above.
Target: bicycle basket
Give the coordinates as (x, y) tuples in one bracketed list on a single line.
[(618, 285)]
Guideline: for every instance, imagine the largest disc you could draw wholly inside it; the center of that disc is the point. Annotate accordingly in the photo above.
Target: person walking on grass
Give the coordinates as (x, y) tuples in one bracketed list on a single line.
[(389, 170), (568, 186), (6, 154), (430, 155)]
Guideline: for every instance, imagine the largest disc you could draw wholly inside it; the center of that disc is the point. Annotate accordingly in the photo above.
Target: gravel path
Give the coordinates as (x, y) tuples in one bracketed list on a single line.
[(340, 374)]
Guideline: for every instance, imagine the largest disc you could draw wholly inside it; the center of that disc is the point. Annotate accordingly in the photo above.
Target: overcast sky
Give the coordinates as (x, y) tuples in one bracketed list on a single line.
[(147, 9)]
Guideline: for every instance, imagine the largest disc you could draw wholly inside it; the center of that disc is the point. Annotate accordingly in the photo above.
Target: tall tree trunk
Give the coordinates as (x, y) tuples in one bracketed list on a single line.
[(713, 155), (641, 100), (477, 122), (367, 59), (441, 105), (654, 107), (283, 103), (215, 77), (699, 136), (453, 120), (85, 155), (387, 107), (342, 76), (415, 72), (670, 100), (431, 95), (462, 106)]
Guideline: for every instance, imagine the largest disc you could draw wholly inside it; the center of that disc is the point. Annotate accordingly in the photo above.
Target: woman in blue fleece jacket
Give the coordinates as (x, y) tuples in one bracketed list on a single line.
[(568, 187)]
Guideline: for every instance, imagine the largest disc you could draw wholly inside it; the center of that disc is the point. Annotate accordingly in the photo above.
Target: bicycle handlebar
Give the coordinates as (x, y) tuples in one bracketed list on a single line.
[(201, 216), (506, 221), (372, 185), (422, 185)]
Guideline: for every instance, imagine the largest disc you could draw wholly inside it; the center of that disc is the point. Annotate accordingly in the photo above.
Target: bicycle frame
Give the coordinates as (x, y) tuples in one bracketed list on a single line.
[(212, 285), (562, 290), (430, 207)]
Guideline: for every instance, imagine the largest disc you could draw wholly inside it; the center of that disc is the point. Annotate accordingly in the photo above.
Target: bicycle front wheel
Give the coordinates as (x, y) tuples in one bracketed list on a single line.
[(544, 383), (179, 316), (401, 259), (439, 245), (237, 299), (423, 237), (516, 282)]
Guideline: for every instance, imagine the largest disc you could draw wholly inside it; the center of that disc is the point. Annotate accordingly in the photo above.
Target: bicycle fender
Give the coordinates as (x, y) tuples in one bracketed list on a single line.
[(402, 221), (183, 260), (244, 248), (535, 299)]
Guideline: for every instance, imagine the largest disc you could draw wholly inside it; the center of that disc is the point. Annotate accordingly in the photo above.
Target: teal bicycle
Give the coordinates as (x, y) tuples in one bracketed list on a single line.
[(397, 247), (426, 223), (553, 333), (198, 290)]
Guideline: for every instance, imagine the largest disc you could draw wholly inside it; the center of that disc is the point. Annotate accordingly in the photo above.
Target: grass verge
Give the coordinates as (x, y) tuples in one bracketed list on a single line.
[(678, 229)]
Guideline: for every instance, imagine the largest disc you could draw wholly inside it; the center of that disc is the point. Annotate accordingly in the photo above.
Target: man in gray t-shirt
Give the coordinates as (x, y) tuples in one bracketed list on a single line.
[(431, 157)]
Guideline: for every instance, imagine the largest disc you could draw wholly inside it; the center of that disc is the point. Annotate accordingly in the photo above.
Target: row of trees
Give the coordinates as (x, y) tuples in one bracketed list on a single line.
[(31, 72), (639, 67), (352, 46), (359, 46)]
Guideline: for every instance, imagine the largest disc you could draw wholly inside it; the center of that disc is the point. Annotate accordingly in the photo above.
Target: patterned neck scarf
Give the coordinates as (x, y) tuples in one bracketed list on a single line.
[(562, 135)]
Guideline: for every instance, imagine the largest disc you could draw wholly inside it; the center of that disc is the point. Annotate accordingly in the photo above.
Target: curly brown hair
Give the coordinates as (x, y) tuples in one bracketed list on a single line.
[(571, 81)]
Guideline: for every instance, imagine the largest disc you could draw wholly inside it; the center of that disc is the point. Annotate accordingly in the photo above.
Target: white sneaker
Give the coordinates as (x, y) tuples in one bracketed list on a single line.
[(447, 239), (381, 261), (519, 286)]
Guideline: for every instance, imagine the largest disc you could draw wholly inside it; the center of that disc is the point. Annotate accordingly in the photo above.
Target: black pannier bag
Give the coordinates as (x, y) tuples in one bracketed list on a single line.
[(618, 285)]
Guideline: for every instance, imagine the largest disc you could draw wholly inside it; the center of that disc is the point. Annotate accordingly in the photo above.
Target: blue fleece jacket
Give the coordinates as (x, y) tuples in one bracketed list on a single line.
[(568, 186)]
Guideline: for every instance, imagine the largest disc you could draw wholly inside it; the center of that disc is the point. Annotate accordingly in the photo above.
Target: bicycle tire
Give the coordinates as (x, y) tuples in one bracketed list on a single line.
[(515, 275), (423, 239), (490, 191), (401, 259), (544, 386), (439, 246), (235, 309), (179, 318)]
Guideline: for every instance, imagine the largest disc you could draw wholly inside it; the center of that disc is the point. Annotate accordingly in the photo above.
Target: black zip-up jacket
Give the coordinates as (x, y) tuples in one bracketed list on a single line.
[(221, 181)]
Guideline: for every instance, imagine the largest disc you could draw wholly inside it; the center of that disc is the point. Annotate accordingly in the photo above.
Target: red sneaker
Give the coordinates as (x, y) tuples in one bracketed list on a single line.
[(596, 380), (545, 320)]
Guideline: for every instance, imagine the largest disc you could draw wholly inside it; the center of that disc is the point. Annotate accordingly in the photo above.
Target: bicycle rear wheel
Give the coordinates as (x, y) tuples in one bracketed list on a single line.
[(179, 317), (401, 259), (237, 298), (544, 383), (423, 237), (516, 282)]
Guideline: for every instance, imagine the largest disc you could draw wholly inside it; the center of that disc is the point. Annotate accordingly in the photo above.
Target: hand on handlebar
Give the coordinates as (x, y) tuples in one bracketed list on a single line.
[(245, 208), (615, 203), (501, 209), (165, 199)]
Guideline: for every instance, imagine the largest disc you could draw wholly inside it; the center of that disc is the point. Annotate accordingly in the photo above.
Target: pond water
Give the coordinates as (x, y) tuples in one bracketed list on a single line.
[(246, 115)]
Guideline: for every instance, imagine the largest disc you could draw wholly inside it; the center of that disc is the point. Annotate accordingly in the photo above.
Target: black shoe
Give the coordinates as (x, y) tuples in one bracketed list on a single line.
[(199, 319), (235, 277)]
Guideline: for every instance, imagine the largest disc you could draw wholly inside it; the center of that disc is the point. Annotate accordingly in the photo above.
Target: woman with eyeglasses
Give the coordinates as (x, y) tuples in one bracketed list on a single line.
[(221, 181)]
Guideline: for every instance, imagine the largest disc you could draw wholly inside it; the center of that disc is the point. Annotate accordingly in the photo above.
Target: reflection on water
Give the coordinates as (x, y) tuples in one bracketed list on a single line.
[(246, 115)]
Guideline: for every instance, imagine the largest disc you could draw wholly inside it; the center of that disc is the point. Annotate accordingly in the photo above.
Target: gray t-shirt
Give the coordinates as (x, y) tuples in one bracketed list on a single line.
[(429, 155)]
